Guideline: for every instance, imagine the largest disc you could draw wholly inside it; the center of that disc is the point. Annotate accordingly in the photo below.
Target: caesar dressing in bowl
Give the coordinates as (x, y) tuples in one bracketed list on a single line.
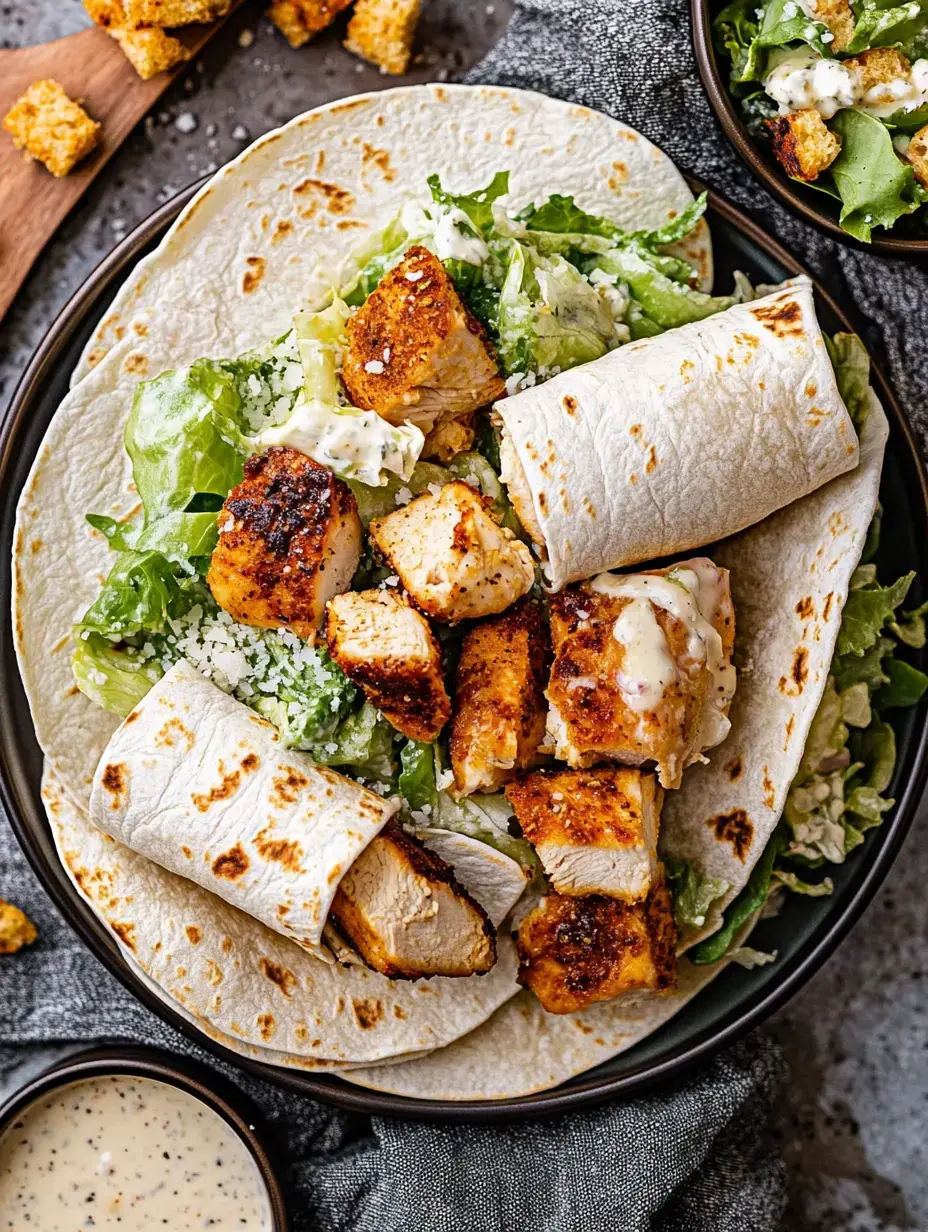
[(143, 1146)]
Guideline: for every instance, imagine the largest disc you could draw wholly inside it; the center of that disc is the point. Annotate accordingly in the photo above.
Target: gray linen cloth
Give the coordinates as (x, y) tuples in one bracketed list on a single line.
[(694, 1157)]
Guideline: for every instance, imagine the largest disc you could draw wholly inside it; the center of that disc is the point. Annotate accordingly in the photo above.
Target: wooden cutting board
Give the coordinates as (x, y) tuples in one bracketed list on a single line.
[(92, 69)]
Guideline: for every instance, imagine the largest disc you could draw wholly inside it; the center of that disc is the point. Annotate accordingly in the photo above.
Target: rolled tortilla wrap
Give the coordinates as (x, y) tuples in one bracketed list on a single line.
[(677, 441), (200, 784)]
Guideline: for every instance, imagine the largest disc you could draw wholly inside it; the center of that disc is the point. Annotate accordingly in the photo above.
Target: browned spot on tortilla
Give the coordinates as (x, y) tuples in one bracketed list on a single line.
[(253, 274), (226, 787), (793, 684), (301, 1032), (334, 874), (232, 864), (250, 762), (826, 610), (805, 608), (213, 972), (782, 319), (811, 389), (635, 430), (285, 980), (194, 934), (36, 546), (735, 769), (95, 356), (380, 159), (337, 200), (367, 1012), (340, 1005), (173, 728), (633, 479), (115, 780), (770, 792), (287, 786), (735, 828), (350, 224), (282, 230), (266, 1025), (140, 328), (284, 851), (652, 460), (790, 724), (136, 363), (226, 945), (131, 717), (686, 368), (186, 850), (569, 404), (399, 1012), (125, 934)]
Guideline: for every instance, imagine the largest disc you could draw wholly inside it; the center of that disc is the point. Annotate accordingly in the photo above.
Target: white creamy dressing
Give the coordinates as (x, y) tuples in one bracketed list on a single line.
[(690, 594), (127, 1153), (802, 78), (455, 240), (352, 443)]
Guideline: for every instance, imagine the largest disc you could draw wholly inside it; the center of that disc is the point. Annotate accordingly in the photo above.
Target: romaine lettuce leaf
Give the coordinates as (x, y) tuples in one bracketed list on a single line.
[(748, 902), (115, 679), (416, 782), (362, 742), (663, 301), (734, 33), (693, 892), (875, 186), (866, 612), (478, 206), (142, 593), (786, 21), (880, 25), (851, 365)]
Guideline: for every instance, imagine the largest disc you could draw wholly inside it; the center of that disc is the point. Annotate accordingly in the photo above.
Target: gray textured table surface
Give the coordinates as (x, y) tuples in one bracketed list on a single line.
[(855, 1119)]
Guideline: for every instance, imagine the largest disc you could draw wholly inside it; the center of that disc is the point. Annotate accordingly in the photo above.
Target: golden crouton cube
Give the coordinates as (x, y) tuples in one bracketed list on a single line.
[(803, 145), (839, 17), (107, 13), (575, 951), (16, 929), (878, 66), (499, 702), (51, 127), (415, 352), (150, 51), (382, 32), (917, 155), (595, 831), (300, 20), (173, 12), (387, 647)]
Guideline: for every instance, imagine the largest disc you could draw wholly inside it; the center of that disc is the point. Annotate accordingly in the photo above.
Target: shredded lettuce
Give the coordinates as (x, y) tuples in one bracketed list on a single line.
[(361, 742), (116, 680), (693, 892)]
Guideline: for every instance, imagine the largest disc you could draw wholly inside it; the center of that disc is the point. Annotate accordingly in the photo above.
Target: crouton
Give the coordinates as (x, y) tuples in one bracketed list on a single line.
[(51, 128), (452, 556), (382, 32), (16, 929), (878, 66), (595, 831), (300, 20), (575, 951), (415, 352), (150, 51), (139, 13), (839, 17), (917, 155), (446, 439), (802, 144), (386, 647), (107, 13), (499, 700)]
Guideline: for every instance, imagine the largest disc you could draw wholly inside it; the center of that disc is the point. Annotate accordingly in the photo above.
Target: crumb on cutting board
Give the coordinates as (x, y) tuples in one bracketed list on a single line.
[(16, 929), (382, 32), (300, 20), (150, 51), (51, 128)]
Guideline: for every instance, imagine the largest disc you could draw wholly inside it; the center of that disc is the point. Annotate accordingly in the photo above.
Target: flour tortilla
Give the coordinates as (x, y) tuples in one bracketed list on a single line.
[(680, 440), (237, 977)]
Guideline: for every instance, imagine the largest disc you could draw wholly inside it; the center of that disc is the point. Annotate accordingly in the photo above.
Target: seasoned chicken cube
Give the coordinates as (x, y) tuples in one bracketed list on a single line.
[(595, 831), (839, 17), (499, 700), (802, 144), (387, 647), (452, 556), (414, 351), (575, 951), (917, 155), (289, 539), (16, 929), (401, 908), (642, 667)]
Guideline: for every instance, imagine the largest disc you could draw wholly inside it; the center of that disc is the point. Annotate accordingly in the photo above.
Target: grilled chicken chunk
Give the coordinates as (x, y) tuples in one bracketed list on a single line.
[(499, 701), (454, 559), (387, 647), (575, 951), (401, 908), (595, 831), (289, 539), (642, 667), (414, 351)]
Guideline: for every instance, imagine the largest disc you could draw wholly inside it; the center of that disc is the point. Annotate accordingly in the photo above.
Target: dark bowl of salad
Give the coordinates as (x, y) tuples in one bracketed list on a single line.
[(827, 103)]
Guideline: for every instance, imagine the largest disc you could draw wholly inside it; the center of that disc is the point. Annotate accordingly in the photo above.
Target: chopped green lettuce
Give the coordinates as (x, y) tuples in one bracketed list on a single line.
[(142, 592), (693, 892), (734, 34), (882, 25), (361, 742), (851, 365), (116, 680), (787, 22), (875, 186), (747, 904)]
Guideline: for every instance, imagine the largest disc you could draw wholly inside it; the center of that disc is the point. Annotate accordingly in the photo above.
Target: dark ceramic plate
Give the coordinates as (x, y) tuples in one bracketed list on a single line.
[(811, 205), (805, 932)]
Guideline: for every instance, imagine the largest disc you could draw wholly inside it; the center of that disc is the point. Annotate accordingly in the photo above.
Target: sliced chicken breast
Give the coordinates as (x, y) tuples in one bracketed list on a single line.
[(595, 831), (575, 951), (289, 539), (452, 556), (499, 702), (642, 669), (387, 647), (401, 908), (414, 351)]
